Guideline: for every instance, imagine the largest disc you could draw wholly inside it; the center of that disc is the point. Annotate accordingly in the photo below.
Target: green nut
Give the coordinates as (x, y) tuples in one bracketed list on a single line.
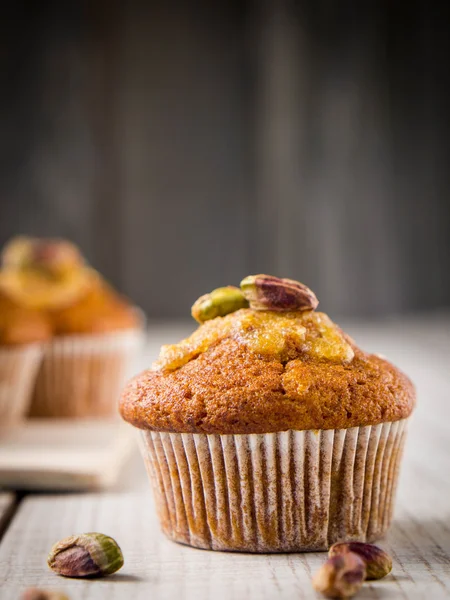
[(218, 303), (265, 292), (86, 555), (378, 562)]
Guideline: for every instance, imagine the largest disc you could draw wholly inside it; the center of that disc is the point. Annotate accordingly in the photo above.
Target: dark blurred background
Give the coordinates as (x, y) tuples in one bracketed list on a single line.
[(185, 145)]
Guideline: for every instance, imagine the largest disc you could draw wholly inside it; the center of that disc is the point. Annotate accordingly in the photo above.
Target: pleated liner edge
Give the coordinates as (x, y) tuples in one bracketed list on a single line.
[(82, 375), (291, 491), (18, 370)]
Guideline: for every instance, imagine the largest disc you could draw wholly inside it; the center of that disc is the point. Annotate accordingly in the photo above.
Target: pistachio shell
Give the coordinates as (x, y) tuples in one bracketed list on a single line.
[(86, 555), (378, 562), (341, 576), (265, 292)]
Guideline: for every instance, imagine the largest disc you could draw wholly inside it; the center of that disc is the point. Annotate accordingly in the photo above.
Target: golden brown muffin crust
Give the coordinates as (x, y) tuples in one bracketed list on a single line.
[(230, 389), (19, 325), (101, 310)]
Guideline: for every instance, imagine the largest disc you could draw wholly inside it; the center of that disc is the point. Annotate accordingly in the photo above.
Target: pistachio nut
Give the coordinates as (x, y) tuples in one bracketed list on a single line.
[(39, 594), (44, 273), (341, 576), (218, 303), (265, 292), (51, 257), (378, 562), (86, 555)]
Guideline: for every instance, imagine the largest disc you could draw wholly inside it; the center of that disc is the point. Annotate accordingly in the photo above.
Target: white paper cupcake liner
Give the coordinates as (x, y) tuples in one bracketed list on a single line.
[(82, 375), (18, 369), (277, 492)]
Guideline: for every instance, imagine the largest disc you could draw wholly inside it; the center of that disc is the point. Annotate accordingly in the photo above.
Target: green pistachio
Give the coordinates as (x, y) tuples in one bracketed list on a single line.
[(378, 562), (265, 292), (218, 303), (86, 555)]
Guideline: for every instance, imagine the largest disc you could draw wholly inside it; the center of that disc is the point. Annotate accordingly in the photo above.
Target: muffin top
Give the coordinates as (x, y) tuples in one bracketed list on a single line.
[(263, 360), (20, 325), (50, 275)]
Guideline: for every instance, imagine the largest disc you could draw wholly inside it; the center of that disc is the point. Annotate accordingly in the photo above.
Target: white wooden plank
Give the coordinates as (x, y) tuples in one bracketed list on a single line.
[(154, 567), (419, 541), (62, 454)]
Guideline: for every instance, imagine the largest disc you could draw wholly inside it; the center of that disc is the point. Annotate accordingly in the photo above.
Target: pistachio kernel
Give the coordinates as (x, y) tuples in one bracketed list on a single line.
[(341, 576), (218, 303), (86, 555), (265, 292), (378, 562)]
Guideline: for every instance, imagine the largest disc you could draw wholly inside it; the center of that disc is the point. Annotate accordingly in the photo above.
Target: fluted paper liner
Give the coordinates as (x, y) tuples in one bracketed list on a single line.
[(18, 369), (82, 375), (276, 492)]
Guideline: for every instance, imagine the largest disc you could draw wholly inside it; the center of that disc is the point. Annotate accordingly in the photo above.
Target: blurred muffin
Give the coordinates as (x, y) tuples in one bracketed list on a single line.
[(269, 430), (22, 332), (95, 332), (100, 310), (20, 325)]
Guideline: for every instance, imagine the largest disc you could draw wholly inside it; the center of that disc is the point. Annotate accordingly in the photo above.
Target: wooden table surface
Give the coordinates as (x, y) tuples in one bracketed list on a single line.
[(419, 539)]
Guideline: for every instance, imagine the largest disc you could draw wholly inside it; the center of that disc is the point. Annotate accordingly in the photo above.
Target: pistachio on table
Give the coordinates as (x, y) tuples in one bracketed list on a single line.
[(265, 292), (341, 576), (86, 555), (40, 594), (378, 562), (218, 303)]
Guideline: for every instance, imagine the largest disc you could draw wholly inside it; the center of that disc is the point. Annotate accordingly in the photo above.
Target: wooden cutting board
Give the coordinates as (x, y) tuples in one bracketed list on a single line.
[(61, 454)]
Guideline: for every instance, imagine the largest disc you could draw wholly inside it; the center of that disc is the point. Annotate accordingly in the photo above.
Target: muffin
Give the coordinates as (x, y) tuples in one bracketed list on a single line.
[(22, 332), (269, 430), (95, 332)]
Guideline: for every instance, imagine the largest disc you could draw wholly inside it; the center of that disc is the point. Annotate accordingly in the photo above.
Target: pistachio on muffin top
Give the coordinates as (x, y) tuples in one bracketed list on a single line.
[(43, 273), (263, 360)]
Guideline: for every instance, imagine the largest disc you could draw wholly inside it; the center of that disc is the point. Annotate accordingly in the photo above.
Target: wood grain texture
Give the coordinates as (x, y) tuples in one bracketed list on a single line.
[(419, 539), (60, 454), (184, 145)]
